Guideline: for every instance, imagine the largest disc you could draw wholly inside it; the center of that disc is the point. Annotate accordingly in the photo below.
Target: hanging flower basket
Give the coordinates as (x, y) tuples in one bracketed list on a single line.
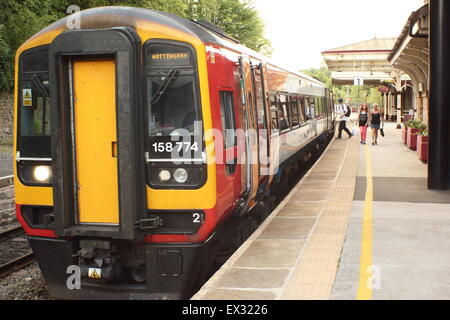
[(383, 89)]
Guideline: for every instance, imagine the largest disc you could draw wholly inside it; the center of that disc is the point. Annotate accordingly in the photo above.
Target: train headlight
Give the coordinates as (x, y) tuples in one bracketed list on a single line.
[(42, 173), (180, 175), (164, 175)]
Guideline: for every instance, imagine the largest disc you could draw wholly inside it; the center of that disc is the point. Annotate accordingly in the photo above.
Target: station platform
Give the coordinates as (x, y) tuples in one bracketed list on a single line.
[(361, 224)]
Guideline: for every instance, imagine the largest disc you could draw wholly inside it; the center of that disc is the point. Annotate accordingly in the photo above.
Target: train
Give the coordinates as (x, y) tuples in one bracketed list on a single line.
[(148, 146)]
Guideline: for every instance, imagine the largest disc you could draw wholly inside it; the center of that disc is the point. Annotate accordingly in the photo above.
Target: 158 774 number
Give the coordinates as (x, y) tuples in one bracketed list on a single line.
[(177, 146)]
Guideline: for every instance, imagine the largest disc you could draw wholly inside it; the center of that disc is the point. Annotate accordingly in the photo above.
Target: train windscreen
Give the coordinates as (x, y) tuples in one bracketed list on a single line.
[(34, 104), (173, 110), (172, 89)]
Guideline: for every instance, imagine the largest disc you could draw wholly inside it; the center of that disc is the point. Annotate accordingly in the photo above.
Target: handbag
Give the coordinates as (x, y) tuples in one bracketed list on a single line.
[(355, 130), (382, 131)]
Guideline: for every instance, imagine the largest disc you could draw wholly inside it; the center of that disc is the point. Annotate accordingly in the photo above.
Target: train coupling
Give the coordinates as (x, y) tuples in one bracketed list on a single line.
[(97, 260), (152, 222)]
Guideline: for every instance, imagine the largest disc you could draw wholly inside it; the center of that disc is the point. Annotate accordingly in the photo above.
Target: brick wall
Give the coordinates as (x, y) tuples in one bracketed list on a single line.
[(7, 204), (6, 118)]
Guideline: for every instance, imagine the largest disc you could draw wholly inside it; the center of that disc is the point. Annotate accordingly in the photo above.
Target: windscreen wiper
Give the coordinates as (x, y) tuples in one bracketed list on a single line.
[(40, 86), (163, 87)]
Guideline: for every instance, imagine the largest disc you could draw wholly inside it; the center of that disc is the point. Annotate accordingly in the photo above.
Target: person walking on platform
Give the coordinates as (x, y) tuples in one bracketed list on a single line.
[(375, 120), (363, 121), (344, 113)]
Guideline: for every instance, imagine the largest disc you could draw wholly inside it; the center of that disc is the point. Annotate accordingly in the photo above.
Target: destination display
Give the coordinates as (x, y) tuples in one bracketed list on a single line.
[(168, 56)]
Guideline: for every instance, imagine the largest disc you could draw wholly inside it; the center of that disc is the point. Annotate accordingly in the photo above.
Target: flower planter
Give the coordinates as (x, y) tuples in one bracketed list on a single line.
[(404, 133), (412, 138), (422, 148)]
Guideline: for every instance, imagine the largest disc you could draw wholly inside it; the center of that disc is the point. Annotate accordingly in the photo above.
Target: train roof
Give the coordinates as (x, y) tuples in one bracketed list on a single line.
[(113, 16)]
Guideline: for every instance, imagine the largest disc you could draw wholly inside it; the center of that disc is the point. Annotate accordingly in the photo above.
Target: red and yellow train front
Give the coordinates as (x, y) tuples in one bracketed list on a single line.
[(115, 176)]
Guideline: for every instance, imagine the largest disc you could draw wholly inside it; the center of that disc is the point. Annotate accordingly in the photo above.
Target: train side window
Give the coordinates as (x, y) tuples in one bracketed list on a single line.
[(294, 111), (273, 112), (318, 106), (312, 109), (228, 119), (283, 112), (323, 105), (309, 110), (301, 110)]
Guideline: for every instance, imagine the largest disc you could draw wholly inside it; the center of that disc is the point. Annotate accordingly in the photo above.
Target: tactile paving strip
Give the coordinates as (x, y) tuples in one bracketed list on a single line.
[(314, 276)]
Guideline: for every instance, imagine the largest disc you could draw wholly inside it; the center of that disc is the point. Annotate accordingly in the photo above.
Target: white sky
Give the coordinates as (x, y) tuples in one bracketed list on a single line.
[(301, 29)]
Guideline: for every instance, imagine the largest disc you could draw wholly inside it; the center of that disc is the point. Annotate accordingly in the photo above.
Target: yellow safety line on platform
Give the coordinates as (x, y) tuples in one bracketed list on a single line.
[(365, 287)]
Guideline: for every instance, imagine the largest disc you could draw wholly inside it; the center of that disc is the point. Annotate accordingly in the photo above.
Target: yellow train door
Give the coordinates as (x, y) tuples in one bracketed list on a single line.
[(94, 103)]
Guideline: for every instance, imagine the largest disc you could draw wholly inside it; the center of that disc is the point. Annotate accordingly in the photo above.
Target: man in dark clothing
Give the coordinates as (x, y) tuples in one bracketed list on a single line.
[(342, 111)]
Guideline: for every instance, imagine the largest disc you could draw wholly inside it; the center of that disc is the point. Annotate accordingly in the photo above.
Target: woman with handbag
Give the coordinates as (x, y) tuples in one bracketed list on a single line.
[(375, 120), (363, 120)]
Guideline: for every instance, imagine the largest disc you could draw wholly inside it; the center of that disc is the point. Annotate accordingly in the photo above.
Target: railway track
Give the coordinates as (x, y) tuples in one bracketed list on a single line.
[(16, 263), (10, 232)]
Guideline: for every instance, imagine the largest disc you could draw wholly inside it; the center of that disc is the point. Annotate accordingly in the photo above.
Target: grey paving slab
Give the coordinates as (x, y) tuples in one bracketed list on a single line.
[(301, 209), (288, 228), (320, 177), (315, 185), (310, 195), (246, 295), (253, 278), (271, 254)]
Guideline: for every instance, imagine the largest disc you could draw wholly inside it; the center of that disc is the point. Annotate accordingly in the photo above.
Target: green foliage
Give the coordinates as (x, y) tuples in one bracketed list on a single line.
[(322, 74), (5, 62), (20, 19), (419, 125), (237, 18), (366, 94)]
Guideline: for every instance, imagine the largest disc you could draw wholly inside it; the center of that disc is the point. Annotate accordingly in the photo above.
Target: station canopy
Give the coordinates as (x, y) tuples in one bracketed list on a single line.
[(366, 60)]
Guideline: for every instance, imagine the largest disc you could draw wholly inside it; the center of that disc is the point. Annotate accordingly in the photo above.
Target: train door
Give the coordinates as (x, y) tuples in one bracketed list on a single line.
[(252, 161), (96, 141), (261, 121)]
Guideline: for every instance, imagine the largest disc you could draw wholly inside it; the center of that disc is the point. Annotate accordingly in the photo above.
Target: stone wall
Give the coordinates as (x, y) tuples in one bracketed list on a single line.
[(6, 118), (7, 203)]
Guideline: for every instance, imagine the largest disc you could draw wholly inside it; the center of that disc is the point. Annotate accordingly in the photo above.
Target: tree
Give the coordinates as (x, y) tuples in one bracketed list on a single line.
[(21, 19), (5, 63), (322, 74), (239, 19), (367, 94)]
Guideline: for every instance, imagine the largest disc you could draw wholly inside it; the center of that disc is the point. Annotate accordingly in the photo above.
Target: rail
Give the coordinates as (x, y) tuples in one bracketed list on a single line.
[(17, 263)]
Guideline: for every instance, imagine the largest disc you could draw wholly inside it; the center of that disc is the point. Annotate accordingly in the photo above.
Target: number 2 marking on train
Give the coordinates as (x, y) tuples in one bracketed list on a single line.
[(196, 217)]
